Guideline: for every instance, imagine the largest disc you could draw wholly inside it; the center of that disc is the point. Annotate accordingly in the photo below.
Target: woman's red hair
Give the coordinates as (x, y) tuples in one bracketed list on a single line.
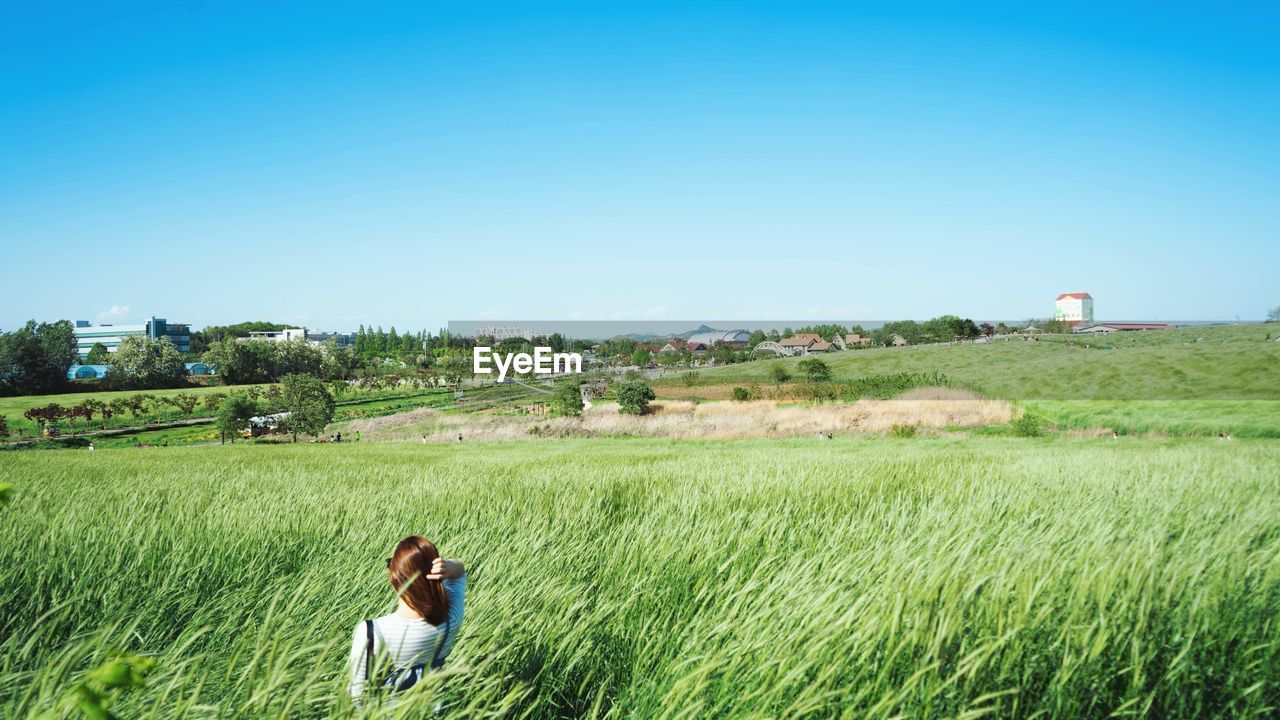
[(410, 564)]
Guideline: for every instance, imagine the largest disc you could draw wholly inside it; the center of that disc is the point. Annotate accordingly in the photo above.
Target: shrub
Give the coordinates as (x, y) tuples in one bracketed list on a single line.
[(741, 394), (814, 369), (568, 400), (1028, 426), (778, 373), (903, 430), (634, 397), (689, 379)]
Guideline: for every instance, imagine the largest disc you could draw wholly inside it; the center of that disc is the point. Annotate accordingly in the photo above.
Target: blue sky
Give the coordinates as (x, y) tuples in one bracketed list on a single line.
[(407, 164)]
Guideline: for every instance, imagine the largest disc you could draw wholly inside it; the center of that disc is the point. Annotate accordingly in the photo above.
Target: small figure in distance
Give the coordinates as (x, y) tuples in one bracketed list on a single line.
[(357, 436), (396, 650), (424, 439), (90, 447), (337, 438), (1115, 435), (459, 437)]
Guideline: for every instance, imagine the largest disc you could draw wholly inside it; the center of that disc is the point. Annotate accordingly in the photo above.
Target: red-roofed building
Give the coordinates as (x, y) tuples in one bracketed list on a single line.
[(1074, 308)]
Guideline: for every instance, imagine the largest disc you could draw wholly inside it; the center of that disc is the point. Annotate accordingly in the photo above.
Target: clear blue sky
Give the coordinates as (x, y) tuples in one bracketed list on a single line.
[(407, 164)]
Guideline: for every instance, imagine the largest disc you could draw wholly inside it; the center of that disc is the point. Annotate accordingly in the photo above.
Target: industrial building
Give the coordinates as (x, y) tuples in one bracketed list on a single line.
[(88, 335)]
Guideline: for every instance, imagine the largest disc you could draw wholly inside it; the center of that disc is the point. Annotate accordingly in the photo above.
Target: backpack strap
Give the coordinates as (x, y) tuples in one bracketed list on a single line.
[(368, 652), (436, 662)]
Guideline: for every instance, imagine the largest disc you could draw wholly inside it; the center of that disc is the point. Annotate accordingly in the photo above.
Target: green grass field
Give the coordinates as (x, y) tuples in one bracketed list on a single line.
[(864, 577), (1192, 381)]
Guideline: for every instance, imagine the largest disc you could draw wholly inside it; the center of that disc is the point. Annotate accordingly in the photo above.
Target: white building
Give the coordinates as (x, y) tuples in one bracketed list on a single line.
[(1074, 307), (111, 336), (286, 335)]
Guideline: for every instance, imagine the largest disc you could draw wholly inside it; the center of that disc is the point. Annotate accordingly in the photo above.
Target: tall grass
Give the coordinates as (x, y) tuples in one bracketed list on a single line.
[(646, 578)]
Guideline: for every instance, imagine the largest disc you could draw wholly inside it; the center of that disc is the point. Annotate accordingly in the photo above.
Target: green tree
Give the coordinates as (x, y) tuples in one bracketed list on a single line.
[(308, 402), (339, 361), (454, 366), (1274, 314), (757, 337), (641, 357), (568, 400), (634, 397), (233, 414), (243, 362), (98, 355), (184, 402), (34, 359), (143, 363), (814, 369), (297, 356)]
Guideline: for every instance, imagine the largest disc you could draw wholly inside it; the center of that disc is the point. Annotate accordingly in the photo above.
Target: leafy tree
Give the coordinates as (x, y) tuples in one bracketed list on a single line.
[(556, 342), (297, 356), (233, 414), (308, 402), (1274, 314), (814, 369), (634, 397), (778, 373), (98, 355), (97, 407), (641, 357), (141, 362), (741, 394), (757, 337), (339, 361), (137, 404), (722, 354), (243, 363), (987, 329), (34, 359), (184, 402), (454, 366), (568, 400), (213, 401), (61, 351)]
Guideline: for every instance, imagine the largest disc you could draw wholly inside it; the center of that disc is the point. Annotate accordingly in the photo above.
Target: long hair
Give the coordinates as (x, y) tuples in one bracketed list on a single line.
[(410, 564)]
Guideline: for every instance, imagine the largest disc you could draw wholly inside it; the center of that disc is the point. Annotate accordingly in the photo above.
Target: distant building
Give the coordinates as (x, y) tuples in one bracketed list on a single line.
[(286, 335), (802, 343), (111, 336), (341, 339), (1120, 327), (856, 339), (499, 333), (1074, 307), (733, 337)]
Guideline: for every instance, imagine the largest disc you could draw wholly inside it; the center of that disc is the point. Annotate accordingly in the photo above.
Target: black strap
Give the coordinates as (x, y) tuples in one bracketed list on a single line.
[(368, 652)]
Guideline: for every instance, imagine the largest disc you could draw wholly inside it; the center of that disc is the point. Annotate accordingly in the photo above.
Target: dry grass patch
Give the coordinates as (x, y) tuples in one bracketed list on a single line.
[(687, 420)]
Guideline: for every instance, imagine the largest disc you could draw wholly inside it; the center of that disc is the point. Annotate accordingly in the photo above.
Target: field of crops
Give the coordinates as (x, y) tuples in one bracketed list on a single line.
[(791, 578)]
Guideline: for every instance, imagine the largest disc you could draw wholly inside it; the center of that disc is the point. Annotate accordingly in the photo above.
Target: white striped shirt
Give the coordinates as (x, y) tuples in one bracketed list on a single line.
[(405, 642)]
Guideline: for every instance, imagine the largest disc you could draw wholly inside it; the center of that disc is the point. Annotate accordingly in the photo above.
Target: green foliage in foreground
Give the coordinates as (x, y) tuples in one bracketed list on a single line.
[(876, 578)]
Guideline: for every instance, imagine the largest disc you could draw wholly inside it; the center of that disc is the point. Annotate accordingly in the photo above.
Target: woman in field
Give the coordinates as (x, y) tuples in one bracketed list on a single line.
[(396, 650)]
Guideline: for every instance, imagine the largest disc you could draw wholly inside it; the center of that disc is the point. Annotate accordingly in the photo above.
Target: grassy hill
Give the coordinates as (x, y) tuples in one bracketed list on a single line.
[(870, 577), (1233, 363)]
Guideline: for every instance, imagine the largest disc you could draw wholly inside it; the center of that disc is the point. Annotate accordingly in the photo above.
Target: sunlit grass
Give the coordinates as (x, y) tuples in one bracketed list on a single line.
[(787, 578)]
